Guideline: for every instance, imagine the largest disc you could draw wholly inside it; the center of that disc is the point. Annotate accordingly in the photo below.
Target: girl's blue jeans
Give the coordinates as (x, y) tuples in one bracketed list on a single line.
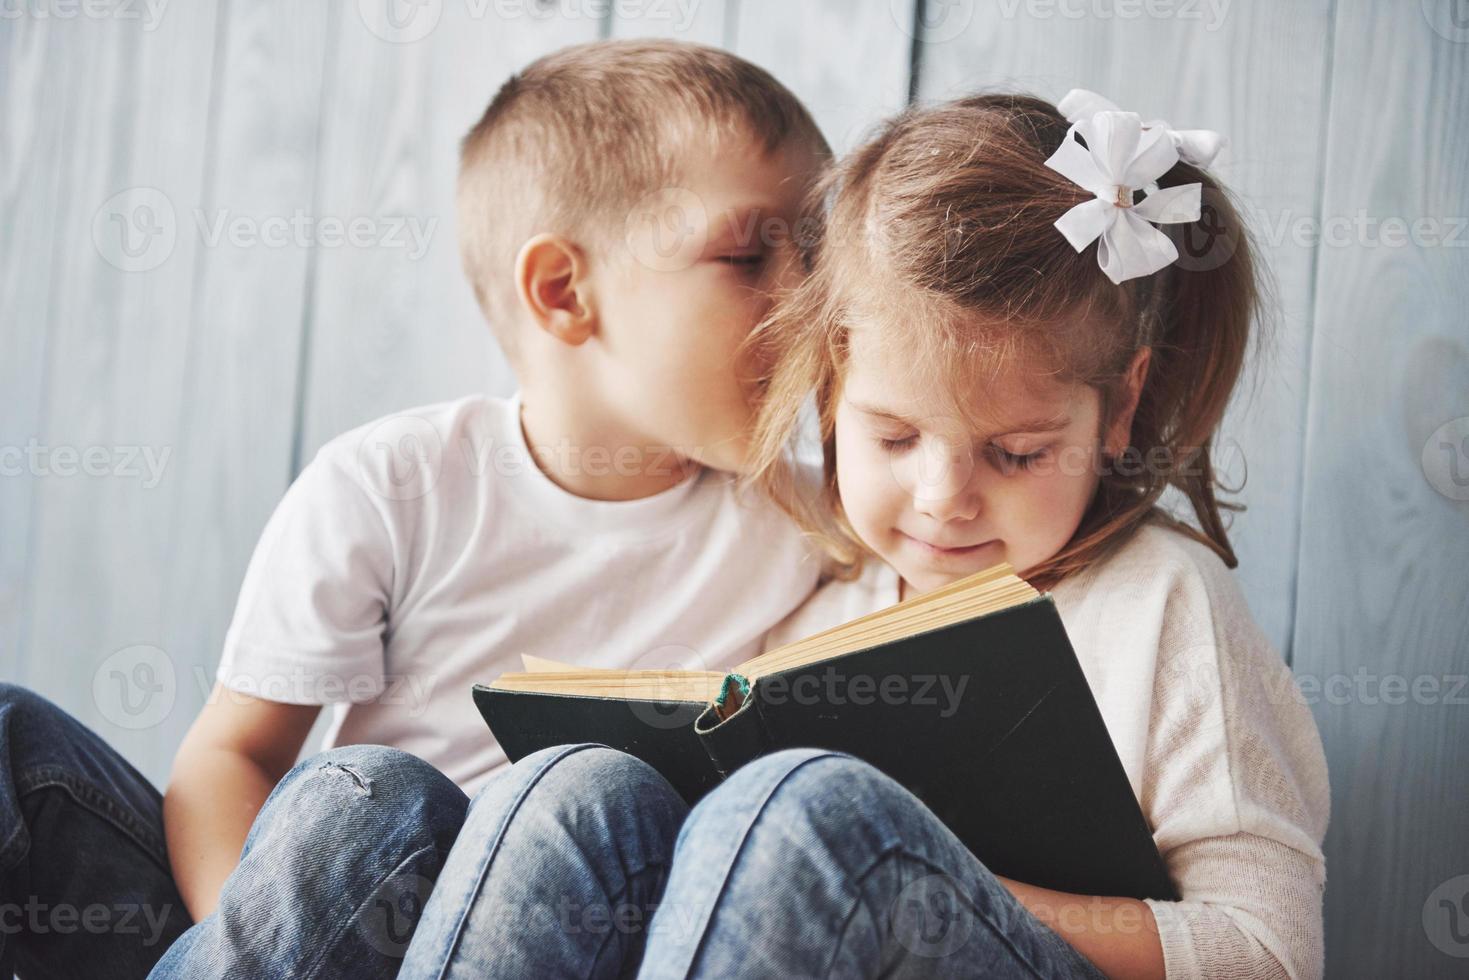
[(578, 861)]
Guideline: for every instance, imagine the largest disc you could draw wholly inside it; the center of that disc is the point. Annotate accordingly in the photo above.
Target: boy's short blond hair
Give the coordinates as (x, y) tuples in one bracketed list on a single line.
[(571, 143)]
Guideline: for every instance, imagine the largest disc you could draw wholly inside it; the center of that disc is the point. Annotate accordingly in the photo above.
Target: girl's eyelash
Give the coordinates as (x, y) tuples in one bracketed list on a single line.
[(1006, 459), (745, 259), (1022, 460)]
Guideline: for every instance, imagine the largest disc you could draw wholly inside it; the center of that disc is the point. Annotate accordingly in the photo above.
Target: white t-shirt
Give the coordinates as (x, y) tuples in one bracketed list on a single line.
[(1217, 741), (424, 552)]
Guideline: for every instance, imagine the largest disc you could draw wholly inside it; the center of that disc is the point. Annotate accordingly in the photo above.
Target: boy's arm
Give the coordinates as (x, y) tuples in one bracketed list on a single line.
[(236, 751)]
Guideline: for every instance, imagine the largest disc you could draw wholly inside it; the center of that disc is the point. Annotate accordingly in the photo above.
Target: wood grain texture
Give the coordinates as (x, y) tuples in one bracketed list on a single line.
[(194, 357), (699, 21), (855, 76), (32, 188), (390, 328), (1256, 73), (134, 113), (1385, 533), (257, 221)]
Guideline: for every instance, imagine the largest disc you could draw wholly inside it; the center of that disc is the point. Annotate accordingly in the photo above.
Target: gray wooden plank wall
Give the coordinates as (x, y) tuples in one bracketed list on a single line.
[(200, 369)]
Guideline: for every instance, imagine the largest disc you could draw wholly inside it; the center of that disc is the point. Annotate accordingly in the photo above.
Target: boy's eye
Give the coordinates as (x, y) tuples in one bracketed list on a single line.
[(747, 260)]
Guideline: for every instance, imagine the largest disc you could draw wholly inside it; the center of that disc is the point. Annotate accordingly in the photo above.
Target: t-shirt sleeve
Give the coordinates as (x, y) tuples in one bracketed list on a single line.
[(309, 624), (1237, 793)]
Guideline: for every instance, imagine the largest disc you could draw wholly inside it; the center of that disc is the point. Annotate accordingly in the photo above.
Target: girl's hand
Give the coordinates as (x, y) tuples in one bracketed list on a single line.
[(1119, 935)]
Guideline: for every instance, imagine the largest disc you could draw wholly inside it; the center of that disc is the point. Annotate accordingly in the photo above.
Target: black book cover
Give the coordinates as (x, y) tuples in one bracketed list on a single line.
[(990, 722)]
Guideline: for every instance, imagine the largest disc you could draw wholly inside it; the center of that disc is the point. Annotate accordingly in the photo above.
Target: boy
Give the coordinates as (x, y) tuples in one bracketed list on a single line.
[(626, 209)]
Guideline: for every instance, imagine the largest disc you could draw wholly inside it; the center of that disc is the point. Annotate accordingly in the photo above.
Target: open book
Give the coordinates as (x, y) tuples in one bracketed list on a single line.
[(970, 696)]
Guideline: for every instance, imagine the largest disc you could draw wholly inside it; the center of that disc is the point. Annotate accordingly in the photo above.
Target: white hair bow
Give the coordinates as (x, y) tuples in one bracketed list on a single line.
[(1122, 155)]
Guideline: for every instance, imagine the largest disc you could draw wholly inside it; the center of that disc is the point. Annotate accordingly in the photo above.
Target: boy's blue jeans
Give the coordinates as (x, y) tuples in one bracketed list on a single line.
[(578, 861), (331, 879)]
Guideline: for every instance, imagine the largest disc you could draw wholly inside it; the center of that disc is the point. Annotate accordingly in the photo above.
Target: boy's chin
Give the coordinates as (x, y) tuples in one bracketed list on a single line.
[(730, 455)]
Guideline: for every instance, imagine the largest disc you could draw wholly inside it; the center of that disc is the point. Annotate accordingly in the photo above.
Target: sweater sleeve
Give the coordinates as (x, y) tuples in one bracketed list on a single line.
[(1236, 790)]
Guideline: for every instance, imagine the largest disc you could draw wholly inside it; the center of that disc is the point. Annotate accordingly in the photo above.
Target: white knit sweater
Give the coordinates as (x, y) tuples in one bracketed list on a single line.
[(1215, 736)]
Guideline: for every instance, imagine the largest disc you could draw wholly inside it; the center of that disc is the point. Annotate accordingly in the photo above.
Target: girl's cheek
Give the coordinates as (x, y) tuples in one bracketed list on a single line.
[(867, 488), (1060, 498), (863, 484)]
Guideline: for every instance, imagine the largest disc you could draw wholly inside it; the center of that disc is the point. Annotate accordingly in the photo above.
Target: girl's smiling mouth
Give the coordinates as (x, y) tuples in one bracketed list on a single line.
[(947, 552)]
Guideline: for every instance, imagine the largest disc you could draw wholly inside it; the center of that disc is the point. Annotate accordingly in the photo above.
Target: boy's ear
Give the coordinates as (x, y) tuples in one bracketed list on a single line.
[(552, 283), (1119, 430)]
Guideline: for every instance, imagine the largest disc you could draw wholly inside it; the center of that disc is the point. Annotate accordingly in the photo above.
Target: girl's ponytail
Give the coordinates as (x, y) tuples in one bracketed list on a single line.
[(1206, 336), (1197, 316)]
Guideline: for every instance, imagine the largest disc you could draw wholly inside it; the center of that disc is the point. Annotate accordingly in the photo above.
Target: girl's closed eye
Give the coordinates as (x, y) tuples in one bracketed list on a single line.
[(895, 444), (1009, 461)]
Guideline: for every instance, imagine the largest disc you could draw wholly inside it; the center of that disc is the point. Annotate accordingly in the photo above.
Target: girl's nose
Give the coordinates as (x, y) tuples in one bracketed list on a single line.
[(942, 484), (960, 506)]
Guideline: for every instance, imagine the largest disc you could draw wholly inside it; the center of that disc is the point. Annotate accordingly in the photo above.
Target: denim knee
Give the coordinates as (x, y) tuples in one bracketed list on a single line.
[(38, 736), (29, 713), (372, 791), (802, 774), (568, 783), (16, 697), (565, 771), (373, 766), (793, 760), (825, 791), (590, 759)]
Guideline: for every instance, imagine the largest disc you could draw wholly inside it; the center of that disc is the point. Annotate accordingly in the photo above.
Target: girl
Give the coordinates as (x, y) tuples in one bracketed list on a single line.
[(989, 387)]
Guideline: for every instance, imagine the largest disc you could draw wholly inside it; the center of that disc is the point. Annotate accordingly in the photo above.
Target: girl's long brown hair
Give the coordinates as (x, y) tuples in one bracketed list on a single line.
[(945, 220)]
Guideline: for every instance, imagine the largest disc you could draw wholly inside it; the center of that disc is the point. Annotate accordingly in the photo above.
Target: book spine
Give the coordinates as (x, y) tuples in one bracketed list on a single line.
[(731, 742)]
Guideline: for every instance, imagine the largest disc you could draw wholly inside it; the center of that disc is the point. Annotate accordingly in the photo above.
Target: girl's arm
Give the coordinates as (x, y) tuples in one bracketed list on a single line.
[(1119, 935), (1233, 784)]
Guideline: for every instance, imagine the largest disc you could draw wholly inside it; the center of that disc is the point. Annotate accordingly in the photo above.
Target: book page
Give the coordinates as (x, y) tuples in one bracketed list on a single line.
[(987, 591)]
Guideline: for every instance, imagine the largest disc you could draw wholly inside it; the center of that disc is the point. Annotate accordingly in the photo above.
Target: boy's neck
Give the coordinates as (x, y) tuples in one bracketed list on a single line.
[(593, 459)]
